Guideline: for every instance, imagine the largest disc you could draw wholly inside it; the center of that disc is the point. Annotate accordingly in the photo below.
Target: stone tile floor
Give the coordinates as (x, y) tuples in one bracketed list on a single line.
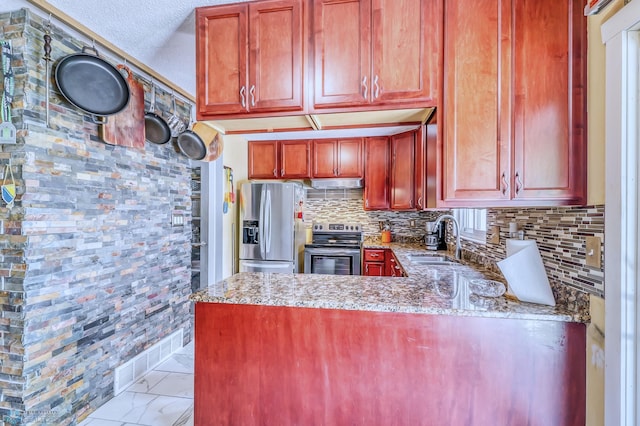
[(163, 397)]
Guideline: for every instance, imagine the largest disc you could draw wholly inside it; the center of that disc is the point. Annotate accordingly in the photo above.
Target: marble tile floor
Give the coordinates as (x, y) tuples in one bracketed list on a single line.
[(163, 397)]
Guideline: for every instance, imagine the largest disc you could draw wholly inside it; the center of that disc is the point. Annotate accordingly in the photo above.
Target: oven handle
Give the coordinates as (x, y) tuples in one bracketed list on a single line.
[(329, 251)]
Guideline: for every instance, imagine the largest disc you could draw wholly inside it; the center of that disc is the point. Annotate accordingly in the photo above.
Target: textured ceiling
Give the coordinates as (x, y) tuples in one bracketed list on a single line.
[(159, 33)]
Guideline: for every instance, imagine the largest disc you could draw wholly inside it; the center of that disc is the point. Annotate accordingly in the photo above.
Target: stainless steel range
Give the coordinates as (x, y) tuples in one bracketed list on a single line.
[(335, 249)]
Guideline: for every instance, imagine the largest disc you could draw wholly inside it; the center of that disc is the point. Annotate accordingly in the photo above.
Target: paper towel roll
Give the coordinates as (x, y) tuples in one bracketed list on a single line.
[(514, 246), (525, 273)]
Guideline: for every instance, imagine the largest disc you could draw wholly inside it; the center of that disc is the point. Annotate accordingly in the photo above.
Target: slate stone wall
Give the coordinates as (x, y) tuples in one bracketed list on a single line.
[(92, 270)]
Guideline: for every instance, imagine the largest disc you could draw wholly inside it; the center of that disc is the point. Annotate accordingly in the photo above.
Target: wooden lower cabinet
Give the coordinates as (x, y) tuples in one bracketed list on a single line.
[(374, 262), (393, 268), (264, 365), (381, 263)]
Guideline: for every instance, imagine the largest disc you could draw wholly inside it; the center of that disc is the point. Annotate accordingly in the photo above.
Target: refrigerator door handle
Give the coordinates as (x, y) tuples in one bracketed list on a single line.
[(261, 224), (268, 223)]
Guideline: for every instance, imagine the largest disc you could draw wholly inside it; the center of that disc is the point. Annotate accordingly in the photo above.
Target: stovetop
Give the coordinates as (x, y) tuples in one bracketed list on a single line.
[(342, 235)]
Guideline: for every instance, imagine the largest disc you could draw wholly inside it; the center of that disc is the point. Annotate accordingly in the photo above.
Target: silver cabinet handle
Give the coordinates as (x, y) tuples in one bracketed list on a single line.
[(505, 184), (252, 92), (376, 87), (518, 183), (242, 99), (282, 172), (275, 172), (420, 201), (366, 88)]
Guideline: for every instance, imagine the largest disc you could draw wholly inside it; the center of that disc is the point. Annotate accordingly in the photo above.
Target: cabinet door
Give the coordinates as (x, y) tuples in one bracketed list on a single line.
[(295, 159), (349, 156), (376, 174), (342, 57), (476, 131), (420, 168), (374, 269), (221, 58), (549, 102), (276, 51), (406, 38), (324, 158), (402, 171), (263, 160), (393, 267)]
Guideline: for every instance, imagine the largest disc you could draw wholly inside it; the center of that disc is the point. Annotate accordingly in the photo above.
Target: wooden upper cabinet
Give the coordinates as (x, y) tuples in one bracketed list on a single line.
[(342, 51), (337, 158), (376, 173), (221, 59), (295, 159), (279, 159), (476, 100), (249, 58), (349, 155), (376, 52), (263, 160), (405, 50), (403, 171), (549, 116), (514, 103)]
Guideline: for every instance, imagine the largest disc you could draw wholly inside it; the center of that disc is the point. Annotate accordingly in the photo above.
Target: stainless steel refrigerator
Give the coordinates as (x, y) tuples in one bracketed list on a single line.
[(272, 233)]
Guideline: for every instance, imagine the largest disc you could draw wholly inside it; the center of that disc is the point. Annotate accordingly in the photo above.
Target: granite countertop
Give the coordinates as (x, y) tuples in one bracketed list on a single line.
[(428, 289)]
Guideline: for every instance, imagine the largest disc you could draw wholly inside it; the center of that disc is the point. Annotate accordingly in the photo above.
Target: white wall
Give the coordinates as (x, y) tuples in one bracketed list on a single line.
[(234, 156), (10, 5)]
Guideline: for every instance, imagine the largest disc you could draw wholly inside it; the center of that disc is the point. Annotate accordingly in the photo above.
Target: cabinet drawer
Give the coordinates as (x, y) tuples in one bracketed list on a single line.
[(374, 255)]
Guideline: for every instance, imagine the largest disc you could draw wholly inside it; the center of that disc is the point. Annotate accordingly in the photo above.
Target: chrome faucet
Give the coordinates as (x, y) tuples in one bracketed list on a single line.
[(455, 221)]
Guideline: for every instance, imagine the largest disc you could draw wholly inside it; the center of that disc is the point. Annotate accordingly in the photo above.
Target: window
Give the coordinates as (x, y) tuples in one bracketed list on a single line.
[(473, 224)]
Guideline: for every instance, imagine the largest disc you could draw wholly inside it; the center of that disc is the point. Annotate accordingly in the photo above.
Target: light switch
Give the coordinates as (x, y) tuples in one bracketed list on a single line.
[(593, 251), (177, 220)]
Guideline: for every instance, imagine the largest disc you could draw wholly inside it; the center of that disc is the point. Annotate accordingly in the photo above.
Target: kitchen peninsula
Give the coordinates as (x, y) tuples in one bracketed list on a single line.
[(422, 349)]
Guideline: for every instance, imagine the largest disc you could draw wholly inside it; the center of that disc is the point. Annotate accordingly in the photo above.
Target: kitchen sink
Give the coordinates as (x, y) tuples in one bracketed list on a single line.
[(429, 259)]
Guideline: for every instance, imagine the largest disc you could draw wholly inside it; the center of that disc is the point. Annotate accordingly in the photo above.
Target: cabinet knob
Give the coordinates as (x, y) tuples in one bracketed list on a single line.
[(420, 202), (282, 172), (242, 98), (365, 91), (275, 172)]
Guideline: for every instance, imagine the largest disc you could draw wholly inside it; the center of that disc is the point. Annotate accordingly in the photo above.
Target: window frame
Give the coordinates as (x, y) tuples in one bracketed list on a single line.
[(473, 224)]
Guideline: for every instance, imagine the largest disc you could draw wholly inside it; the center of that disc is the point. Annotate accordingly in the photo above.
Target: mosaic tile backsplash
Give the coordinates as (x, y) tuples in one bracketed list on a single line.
[(559, 231)]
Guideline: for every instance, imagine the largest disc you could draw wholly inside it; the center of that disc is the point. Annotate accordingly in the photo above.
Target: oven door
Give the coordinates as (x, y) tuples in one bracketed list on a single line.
[(331, 260)]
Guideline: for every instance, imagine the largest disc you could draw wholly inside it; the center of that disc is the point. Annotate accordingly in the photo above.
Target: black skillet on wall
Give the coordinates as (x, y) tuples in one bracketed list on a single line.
[(155, 128), (92, 84), (190, 144)]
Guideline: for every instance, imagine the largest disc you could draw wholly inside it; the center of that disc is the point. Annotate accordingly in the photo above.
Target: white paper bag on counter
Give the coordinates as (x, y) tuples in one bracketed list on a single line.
[(525, 273)]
